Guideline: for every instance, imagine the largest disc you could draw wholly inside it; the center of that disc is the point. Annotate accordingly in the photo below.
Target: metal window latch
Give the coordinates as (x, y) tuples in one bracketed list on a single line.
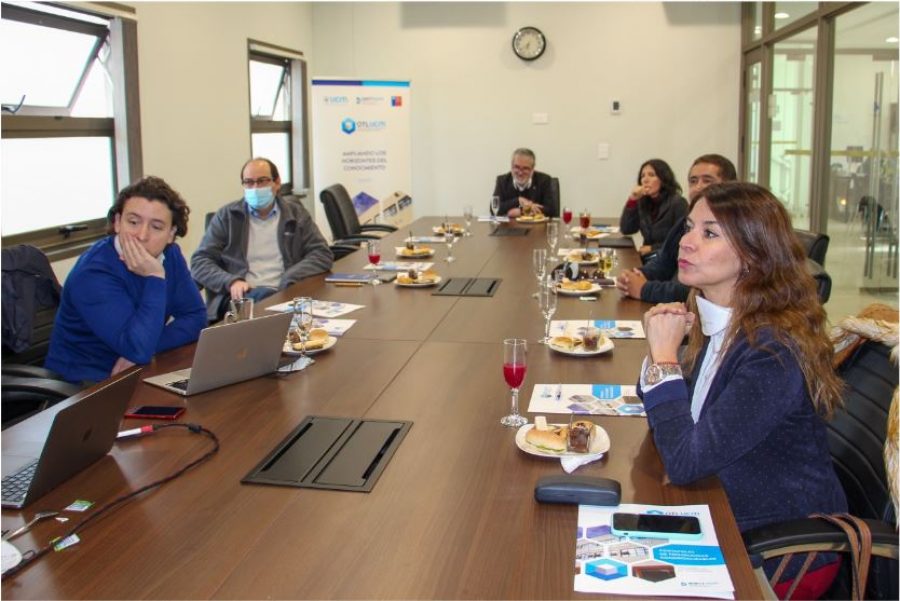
[(68, 230)]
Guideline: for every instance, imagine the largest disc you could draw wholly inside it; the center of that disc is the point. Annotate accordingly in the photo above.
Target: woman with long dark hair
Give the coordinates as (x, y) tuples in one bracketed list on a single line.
[(654, 206)]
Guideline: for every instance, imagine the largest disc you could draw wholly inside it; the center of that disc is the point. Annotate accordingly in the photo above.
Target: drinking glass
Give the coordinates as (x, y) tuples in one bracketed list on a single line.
[(241, 310), (495, 208), (449, 239), (607, 256), (373, 247), (547, 300), (539, 263), (514, 366), (468, 213), (567, 219), (584, 220), (553, 237), (302, 307)]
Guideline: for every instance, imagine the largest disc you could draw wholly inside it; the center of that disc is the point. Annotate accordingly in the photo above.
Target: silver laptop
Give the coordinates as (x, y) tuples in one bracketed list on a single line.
[(230, 353), (84, 427)]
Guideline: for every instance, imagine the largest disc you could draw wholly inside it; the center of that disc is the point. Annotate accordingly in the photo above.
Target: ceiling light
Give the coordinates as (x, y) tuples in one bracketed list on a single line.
[(782, 16), (892, 40)]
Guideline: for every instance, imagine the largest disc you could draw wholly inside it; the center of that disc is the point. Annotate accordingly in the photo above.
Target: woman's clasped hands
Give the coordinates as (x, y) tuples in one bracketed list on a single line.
[(666, 325)]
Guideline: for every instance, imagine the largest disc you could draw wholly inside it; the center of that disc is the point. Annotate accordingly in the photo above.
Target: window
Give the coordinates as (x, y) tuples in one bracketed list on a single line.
[(63, 142), (277, 112)]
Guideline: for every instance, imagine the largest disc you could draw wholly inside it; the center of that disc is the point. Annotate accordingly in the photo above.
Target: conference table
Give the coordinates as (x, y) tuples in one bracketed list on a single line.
[(452, 515)]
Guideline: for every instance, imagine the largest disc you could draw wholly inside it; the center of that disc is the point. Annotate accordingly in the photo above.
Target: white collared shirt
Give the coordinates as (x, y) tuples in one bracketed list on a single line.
[(714, 321), (523, 187)]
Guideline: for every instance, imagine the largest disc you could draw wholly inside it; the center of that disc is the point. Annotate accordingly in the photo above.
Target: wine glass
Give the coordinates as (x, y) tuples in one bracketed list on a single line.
[(547, 300), (373, 247), (495, 208), (584, 220), (468, 213), (553, 237), (567, 218), (539, 263), (302, 307), (449, 240), (514, 366)]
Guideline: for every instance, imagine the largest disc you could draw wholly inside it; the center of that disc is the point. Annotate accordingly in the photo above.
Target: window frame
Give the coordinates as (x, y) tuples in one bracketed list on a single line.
[(66, 240), (295, 180)]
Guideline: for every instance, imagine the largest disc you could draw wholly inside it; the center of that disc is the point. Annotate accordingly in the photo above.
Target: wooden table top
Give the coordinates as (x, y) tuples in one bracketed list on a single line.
[(452, 516)]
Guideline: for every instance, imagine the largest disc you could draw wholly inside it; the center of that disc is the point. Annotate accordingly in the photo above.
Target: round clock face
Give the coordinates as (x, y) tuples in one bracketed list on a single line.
[(529, 43)]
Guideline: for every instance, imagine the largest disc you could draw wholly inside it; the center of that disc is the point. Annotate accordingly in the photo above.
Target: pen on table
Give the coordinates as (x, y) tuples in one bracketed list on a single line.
[(348, 284)]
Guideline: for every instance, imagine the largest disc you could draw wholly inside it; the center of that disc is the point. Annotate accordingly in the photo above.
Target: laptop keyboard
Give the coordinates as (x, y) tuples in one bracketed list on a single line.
[(180, 384), (16, 485)]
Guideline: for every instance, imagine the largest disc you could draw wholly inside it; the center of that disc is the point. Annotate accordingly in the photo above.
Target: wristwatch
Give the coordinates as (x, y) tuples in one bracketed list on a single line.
[(657, 372)]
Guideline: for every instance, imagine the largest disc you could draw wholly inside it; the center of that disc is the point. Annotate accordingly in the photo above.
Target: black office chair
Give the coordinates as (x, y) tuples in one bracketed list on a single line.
[(816, 245), (341, 214), (856, 437), (823, 280), (553, 210), (31, 295)]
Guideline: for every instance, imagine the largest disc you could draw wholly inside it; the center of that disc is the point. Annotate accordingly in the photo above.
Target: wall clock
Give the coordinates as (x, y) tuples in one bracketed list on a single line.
[(529, 43)]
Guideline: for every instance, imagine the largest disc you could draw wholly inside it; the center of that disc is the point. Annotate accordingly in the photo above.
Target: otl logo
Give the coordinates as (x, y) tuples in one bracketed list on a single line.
[(348, 126), (242, 354)]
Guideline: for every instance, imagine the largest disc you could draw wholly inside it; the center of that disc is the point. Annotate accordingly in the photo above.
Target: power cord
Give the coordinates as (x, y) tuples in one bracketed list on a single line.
[(195, 428)]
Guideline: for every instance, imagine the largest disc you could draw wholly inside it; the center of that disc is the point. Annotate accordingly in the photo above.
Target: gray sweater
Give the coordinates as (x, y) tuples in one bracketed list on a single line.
[(222, 256)]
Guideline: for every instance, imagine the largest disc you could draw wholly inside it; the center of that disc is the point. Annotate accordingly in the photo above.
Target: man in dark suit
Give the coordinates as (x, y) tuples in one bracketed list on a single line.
[(523, 187)]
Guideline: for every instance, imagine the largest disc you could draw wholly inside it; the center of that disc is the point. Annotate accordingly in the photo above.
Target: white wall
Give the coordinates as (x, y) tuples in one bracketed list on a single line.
[(675, 68)]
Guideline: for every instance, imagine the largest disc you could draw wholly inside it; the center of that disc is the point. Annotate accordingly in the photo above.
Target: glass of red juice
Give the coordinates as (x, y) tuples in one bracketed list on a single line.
[(514, 366)]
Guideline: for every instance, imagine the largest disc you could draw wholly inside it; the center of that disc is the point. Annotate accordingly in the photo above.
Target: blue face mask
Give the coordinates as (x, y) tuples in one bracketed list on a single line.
[(259, 198)]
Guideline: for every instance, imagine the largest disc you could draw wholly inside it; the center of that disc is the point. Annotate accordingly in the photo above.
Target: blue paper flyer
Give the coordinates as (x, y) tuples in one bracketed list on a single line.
[(586, 399), (327, 309), (649, 566)]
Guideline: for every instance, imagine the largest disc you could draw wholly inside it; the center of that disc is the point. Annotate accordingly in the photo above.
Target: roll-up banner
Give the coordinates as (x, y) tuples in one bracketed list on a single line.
[(361, 139)]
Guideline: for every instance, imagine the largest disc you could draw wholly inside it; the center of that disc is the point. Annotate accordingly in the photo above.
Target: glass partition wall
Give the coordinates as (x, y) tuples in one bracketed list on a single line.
[(820, 129)]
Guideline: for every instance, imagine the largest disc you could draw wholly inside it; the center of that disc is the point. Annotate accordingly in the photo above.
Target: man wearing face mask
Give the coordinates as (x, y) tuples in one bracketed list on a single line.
[(259, 244)]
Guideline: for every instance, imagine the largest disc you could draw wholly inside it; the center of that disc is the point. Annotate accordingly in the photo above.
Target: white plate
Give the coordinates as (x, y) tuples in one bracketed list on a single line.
[(600, 444), (414, 257), (579, 351), (457, 230), (594, 260), (526, 219), (594, 289), (289, 350), (434, 282)]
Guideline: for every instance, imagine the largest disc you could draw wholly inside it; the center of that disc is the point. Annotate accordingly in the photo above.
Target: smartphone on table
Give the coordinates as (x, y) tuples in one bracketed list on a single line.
[(155, 412)]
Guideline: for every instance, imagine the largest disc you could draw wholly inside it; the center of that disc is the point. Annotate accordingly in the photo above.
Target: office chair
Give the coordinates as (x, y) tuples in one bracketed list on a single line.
[(856, 437), (341, 214), (31, 295), (553, 209), (823, 280), (816, 245)]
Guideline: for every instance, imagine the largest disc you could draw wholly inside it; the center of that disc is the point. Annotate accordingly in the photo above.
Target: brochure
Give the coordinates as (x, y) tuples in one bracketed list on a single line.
[(327, 309), (424, 239), (399, 266), (489, 219), (652, 566), (363, 278), (619, 328), (334, 327), (586, 399)]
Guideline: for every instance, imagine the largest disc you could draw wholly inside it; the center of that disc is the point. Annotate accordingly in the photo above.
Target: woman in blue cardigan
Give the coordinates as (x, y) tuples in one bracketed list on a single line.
[(758, 377), (130, 295)]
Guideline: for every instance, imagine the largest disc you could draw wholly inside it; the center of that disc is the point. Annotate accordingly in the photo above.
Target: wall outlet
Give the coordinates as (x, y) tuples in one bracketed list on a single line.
[(540, 118), (603, 150), (615, 107)]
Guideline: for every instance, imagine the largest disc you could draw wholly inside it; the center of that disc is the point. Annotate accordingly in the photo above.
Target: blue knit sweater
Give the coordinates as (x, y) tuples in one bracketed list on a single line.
[(758, 432), (107, 312)]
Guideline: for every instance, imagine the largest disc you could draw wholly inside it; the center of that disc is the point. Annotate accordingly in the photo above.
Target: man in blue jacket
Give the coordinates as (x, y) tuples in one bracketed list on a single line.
[(130, 295), (657, 280), (258, 244)]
